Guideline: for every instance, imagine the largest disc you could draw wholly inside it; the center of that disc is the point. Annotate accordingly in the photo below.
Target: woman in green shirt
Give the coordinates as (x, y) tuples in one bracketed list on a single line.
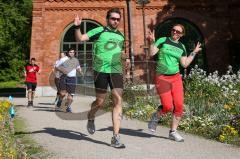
[(171, 52)]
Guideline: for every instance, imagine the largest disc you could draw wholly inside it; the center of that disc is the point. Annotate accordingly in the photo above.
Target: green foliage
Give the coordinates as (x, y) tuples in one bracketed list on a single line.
[(211, 106), (15, 32), (7, 147), (11, 84), (14, 141)]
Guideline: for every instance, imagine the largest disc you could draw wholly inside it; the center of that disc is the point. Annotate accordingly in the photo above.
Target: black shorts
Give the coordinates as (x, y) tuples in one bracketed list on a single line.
[(68, 84), (102, 80), (57, 84), (31, 86)]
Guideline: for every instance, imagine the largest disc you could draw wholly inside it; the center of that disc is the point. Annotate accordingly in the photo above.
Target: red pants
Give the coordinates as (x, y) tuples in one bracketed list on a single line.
[(170, 91)]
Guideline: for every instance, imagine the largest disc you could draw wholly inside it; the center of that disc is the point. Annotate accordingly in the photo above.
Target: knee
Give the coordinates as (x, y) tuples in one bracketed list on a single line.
[(70, 97), (62, 94), (99, 102), (178, 110), (118, 101)]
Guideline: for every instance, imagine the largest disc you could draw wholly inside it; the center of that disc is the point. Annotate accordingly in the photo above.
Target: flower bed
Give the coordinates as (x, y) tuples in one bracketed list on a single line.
[(7, 146), (212, 106)]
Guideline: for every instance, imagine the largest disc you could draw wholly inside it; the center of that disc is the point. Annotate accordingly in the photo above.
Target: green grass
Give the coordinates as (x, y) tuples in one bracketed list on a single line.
[(25, 142), (10, 84)]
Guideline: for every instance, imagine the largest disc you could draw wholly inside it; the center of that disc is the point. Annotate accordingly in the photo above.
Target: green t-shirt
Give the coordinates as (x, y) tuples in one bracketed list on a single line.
[(169, 55), (108, 46)]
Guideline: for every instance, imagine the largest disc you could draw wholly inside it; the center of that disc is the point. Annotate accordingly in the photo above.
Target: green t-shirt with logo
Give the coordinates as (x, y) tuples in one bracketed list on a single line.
[(108, 47), (169, 55)]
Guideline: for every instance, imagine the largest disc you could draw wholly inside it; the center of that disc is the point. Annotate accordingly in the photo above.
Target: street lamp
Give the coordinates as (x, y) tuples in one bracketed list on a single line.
[(145, 47)]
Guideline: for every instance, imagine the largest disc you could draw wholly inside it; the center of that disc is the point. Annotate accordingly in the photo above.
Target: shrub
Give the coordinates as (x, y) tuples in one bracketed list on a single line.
[(212, 105), (7, 146)]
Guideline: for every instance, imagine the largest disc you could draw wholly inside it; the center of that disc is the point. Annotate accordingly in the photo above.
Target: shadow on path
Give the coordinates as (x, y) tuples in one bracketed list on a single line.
[(131, 132), (20, 105), (46, 103), (43, 107), (68, 134), (69, 116)]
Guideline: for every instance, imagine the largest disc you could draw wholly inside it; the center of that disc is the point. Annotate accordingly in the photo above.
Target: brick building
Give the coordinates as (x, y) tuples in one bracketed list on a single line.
[(214, 23)]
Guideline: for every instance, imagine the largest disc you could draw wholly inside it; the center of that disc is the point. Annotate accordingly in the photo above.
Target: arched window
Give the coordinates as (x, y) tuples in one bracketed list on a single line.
[(84, 50), (192, 36)]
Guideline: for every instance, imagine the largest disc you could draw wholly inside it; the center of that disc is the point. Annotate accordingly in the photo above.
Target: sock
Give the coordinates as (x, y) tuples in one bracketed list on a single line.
[(172, 131)]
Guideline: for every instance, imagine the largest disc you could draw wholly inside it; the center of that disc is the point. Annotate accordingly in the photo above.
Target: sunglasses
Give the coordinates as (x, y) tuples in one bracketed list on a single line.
[(177, 31), (113, 19)]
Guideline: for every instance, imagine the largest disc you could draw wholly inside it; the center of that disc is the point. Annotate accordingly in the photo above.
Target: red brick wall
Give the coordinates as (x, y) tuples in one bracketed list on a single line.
[(217, 20)]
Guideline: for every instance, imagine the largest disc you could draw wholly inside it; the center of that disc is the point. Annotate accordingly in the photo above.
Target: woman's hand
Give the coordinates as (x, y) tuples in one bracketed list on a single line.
[(197, 48), (151, 36)]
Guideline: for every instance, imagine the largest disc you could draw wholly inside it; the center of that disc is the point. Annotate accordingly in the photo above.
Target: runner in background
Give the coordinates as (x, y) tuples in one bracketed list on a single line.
[(68, 79), (31, 70), (57, 73)]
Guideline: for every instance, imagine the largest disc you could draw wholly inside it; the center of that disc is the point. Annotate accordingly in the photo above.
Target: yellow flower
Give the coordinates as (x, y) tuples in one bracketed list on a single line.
[(1, 117), (227, 107), (221, 138)]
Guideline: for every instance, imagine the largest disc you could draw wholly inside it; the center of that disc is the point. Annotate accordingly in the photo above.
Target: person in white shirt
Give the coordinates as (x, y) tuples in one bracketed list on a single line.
[(57, 74), (68, 79)]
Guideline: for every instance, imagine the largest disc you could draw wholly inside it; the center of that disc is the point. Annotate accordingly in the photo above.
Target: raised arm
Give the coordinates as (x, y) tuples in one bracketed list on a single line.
[(78, 35), (185, 61), (151, 37)]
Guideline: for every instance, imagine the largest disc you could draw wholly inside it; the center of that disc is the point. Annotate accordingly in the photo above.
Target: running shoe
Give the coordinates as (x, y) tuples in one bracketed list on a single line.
[(91, 127), (174, 135), (152, 124), (59, 103), (115, 142), (69, 109)]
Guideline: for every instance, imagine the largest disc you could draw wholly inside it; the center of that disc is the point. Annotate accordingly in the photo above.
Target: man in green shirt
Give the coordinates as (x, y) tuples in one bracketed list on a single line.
[(107, 66)]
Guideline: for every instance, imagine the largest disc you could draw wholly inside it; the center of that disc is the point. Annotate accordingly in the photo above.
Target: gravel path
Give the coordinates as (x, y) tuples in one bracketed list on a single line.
[(69, 138)]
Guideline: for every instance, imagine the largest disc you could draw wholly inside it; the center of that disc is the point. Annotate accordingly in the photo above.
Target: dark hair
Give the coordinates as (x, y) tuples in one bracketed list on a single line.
[(113, 10), (70, 50), (33, 59)]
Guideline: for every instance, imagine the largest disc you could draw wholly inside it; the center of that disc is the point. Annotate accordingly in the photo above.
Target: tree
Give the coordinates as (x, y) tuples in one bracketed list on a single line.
[(15, 33)]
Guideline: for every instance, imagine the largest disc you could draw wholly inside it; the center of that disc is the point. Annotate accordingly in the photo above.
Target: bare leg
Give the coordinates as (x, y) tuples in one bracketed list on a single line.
[(33, 94), (62, 94), (29, 96), (175, 121), (69, 100), (96, 105), (117, 110)]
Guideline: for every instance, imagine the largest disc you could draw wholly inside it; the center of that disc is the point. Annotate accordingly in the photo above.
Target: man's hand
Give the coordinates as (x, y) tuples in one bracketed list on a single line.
[(77, 20), (127, 63)]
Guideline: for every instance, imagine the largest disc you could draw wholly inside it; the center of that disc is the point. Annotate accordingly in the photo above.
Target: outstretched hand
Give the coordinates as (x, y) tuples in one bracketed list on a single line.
[(77, 20), (151, 36), (197, 48)]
